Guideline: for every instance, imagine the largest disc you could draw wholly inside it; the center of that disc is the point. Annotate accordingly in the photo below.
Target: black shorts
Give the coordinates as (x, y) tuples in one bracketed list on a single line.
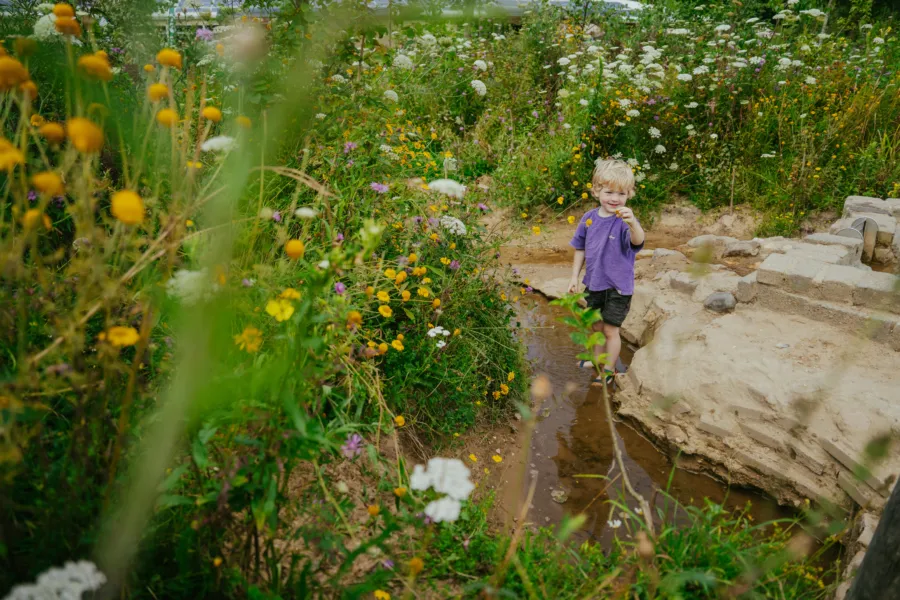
[(612, 305)]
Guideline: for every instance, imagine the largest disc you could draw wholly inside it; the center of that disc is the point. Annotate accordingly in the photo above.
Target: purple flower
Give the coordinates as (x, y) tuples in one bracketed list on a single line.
[(204, 34), (381, 188), (350, 163), (534, 114), (529, 289), (276, 216), (353, 446), (402, 261), (433, 222), (339, 238), (117, 51), (246, 282), (340, 288), (32, 196), (482, 206), (454, 265), (387, 564), (418, 220), (349, 146)]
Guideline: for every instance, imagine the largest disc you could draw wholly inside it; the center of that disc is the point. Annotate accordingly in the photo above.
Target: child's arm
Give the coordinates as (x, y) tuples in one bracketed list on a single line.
[(577, 263), (637, 232)]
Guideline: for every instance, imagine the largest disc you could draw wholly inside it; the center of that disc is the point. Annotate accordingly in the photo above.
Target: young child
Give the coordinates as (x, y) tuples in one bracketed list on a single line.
[(607, 240)]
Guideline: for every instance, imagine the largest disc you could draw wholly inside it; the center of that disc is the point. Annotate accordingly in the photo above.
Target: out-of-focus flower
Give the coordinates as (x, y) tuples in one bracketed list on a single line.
[(353, 446)]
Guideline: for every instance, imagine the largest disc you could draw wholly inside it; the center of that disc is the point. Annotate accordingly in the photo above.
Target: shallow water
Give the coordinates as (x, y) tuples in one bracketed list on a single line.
[(572, 438)]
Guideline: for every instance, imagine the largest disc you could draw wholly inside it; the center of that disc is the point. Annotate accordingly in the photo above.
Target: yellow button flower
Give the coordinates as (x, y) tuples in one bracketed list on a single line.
[(127, 207), (390, 273), (67, 26), (289, 294), (400, 491), (63, 10), (211, 113), (385, 311), (37, 120), (473, 458), (571, 220), (400, 278), (294, 249), (497, 458), (405, 295), (398, 345), (536, 230), (382, 595), (122, 336), (383, 297), (167, 117), (148, 68), (424, 292), (34, 217), (169, 58), (243, 122), (400, 420), (369, 291), (436, 303), (373, 510), (86, 136), (416, 564), (48, 182), (412, 257), (95, 66), (53, 132), (157, 92)]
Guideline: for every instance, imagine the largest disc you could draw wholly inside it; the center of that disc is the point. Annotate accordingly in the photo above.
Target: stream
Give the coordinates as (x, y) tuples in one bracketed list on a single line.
[(572, 438)]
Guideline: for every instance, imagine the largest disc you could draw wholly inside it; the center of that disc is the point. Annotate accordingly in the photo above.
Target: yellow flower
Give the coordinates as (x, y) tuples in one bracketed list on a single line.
[(496, 397), (280, 308), (148, 68), (571, 220), (473, 458), (412, 257), (48, 182), (497, 458), (53, 132), (426, 280), (382, 595), (445, 260), (373, 510), (383, 297), (385, 311), (559, 200), (536, 230), (289, 294), (369, 291), (249, 340), (294, 249), (584, 195), (400, 420), (169, 58), (167, 117), (398, 345), (588, 185), (390, 273), (511, 376), (382, 347), (63, 10), (400, 491), (34, 217), (405, 295), (436, 303), (12, 73), (424, 292), (37, 120), (127, 207), (401, 277), (67, 26), (30, 88), (122, 336), (457, 331), (416, 565), (211, 113), (243, 122), (96, 66), (504, 389), (217, 561), (157, 92), (85, 135), (354, 319), (503, 296), (588, 223)]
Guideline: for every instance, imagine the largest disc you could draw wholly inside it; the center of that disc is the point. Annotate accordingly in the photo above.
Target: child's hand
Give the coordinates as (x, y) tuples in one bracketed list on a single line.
[(627, 215), (573, 286)]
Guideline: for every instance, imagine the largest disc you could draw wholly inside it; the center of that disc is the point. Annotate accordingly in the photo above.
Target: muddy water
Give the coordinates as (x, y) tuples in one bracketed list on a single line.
[(572, 438)]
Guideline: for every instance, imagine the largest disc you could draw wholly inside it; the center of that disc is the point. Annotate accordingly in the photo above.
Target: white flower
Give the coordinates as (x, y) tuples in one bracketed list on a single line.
[(338, 78), (479, 87), (219, 143), (793, 2), (45, 7), (714, 136), (752, 20), (673, 166), (391, 96), (428, 40), (436, 331), (810, 80), (480, 65), (448, 187), (660, 149), (767, 155), (723, 27), (583, 102), (441, 344), (563, 61), (443, 510), (624, 102), (678, 32), (563, 93), (633, 113), (614, 524), (324, 264), (401, 61), (684, 77), (305, 212), (633, 162), (701, 70), (813, 12), (70, 581), (450, 164), (446, 476), (320, 116), (878, 41), (654, 132), (453, 225), (756, 60), (191, 287)]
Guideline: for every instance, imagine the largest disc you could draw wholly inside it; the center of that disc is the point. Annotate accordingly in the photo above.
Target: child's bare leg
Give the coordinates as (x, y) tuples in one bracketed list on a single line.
[(613, 345)]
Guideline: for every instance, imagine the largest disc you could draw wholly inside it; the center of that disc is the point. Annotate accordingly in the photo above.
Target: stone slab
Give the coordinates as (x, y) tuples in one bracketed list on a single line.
[(745, 458), (806, 457), (832, 254), (759, 434), (746, 288), (879, 291), (826, 239), (861, 493), (868, 524), (887, 226), (865, 204), (894, 204), (836, 283), (843, 456), (703, 424), (793, 273), (748, 412), (684, 282)]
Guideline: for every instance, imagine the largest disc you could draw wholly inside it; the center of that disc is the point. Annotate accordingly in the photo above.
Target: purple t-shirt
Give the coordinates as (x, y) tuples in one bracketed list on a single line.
[(608, 253)]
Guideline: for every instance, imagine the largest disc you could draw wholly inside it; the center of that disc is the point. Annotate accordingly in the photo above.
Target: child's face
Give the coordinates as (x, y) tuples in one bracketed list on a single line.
[(610, 199)]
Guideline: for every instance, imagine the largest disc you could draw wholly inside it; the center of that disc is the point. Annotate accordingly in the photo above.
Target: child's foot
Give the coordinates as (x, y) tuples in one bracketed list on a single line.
[(586, 364), (608, 377)]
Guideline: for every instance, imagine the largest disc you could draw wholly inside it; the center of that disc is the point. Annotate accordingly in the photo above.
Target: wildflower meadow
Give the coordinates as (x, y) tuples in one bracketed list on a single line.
[(250, 308)]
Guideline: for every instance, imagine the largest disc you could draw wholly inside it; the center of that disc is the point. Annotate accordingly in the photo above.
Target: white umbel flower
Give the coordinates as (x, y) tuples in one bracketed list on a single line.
[(479, 87), (219, 143), (654, 132), (480, 65), (445, 510), (453, 225), (305, 212), (70, 581), (401, 61), (191, 287), (448, 187), (446, 476), (660, 149), (684, 77), (391, 96)]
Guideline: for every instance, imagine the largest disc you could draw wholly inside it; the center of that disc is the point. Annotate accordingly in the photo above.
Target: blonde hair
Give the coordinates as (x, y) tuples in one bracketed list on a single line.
[(614, 174)]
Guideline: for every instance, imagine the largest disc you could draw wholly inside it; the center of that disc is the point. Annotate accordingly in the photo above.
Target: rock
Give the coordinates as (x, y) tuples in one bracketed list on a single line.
[(664, 252), (884, 256), (645, 253), (841, 592), (720, 302), (853, 244), (741, 248), (782, 346), (559, 496), (868, 525), (710, 240), (854, 564), (865, 204), (746, 289)]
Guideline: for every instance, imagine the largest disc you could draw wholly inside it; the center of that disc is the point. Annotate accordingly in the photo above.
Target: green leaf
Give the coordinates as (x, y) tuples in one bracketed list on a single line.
[(524, 411), (169, 500), (198, 451), (239, 481), (170, 481), (569, 526), (410, 315)]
